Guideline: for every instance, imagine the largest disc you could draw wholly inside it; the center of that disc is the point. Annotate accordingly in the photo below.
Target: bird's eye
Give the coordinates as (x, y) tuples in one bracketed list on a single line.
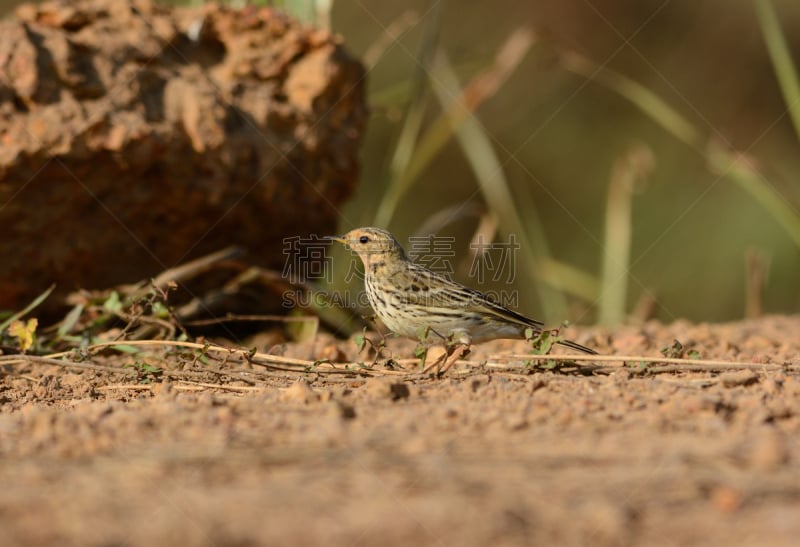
[(363, 239)]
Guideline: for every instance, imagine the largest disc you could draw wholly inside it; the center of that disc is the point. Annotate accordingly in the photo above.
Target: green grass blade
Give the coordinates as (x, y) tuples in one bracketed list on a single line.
[(68, 323), (38, 300), (496, 191), (785, 69), (725, 163), (738, 170), (569, 279), (645, 100), (481, 88), (628, 169), (412, 124), (390, 35)]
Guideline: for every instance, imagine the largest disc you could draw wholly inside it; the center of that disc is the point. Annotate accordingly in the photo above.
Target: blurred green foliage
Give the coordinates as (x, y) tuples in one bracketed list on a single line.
[(693, 84)]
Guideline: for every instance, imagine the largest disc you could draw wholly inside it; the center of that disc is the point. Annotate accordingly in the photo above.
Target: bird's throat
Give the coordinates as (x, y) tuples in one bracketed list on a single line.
[(376, 266)]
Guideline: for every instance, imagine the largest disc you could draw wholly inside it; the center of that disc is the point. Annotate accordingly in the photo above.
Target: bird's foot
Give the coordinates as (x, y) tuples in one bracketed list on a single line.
[(453, 352)]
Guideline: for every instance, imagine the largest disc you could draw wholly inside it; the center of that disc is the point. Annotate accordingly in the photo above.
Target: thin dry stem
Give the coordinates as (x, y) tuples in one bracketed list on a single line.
[(687, 364), (292, 365)]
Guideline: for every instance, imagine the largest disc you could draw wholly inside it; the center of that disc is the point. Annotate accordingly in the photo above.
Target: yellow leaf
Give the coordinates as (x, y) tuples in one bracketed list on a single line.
[(24, 332)]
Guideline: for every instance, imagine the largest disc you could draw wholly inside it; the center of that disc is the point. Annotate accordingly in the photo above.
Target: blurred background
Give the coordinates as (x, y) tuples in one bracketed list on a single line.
[(655, 99), (643, 154)]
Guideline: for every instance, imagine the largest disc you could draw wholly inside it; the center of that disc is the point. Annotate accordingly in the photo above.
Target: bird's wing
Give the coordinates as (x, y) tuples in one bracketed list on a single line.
[(422, 287), (437, 291)]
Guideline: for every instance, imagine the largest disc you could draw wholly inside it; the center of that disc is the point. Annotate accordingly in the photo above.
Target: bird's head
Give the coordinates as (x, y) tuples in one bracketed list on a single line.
[(373, 245)]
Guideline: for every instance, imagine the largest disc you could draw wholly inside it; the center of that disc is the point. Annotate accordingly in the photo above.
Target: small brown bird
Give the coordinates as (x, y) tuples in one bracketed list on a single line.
[(414, 302)]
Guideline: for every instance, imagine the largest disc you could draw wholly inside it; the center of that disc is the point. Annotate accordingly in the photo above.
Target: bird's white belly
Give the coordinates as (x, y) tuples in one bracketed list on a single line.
[(440, 329), (436, 324)]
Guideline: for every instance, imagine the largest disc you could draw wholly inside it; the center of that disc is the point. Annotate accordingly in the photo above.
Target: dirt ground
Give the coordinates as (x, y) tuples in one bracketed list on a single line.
[(628, 456)]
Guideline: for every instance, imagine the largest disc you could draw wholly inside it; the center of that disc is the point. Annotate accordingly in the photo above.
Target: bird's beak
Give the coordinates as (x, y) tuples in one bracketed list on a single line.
[(337, 239)]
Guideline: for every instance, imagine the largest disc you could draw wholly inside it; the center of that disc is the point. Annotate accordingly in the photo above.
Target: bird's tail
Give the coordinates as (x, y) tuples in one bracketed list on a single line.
[(577, 347)]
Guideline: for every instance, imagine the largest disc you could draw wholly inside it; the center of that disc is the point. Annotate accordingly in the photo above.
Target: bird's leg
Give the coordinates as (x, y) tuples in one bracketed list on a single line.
[(454, 353), (439, 361), (362, 341), (456, 346), (421, 351), (378, 346)]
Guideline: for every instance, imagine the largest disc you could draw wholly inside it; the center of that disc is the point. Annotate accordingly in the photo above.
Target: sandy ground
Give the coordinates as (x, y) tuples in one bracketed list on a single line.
[(479, 457)]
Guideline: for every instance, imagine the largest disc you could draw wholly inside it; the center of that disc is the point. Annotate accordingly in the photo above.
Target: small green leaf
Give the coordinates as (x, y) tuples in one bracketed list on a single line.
[(549, 365), (70, 320), (673, 351), (147, 372), (36, 301), (160, 310), (113, 302), (542, 343), (360, 341)]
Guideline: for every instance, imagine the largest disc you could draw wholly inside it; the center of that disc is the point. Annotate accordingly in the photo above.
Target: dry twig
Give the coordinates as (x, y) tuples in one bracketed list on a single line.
[(292, 365)]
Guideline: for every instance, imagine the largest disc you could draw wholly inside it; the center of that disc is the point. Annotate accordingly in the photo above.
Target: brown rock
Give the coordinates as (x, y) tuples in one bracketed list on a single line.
[(134, 136)]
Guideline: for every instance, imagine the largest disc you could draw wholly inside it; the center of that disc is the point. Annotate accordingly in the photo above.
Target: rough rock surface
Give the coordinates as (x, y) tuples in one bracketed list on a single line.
[(134, 136)]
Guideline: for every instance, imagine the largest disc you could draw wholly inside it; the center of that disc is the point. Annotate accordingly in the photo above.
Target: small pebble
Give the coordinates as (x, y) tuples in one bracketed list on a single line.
[(726, 498), (385, 388), (479, 381), (300, 392)]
